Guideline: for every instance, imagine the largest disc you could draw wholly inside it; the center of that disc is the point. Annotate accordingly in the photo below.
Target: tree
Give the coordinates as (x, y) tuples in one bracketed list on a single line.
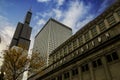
[(16, 62)]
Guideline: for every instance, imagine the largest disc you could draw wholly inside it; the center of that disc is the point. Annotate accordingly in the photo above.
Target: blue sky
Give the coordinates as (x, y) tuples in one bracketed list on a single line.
[(73, 13)]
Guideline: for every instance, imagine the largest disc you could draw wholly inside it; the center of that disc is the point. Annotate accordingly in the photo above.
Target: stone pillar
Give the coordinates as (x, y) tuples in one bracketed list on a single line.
[(70, 75), (62, 76), (79, 73), (91, 71), (106, 23), (107, 71), (116, 17)]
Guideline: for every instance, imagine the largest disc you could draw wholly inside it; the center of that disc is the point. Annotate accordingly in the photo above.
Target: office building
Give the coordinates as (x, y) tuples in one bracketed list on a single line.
[(22, 33), (50, 37)]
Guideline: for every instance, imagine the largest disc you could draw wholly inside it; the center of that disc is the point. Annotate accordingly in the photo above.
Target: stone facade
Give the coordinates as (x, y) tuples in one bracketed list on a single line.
[(93, 53)]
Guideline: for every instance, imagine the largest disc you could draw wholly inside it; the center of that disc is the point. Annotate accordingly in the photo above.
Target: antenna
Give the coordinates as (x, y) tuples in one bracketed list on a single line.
[(30, 9)]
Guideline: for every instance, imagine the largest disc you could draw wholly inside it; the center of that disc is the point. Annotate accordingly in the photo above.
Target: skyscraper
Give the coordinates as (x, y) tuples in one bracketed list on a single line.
[(50, 37), (22, 33)]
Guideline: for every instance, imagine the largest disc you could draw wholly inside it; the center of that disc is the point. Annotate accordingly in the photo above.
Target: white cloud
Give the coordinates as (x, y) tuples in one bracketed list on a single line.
[(42, 1), (76, 11), (82, 23), (41, 22), (60, 2), (71, 17), (104, 5), (6, 32), (58, 13)]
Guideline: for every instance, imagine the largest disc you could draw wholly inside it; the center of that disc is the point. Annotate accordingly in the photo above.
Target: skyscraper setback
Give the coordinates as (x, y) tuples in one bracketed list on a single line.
[(22, 33)]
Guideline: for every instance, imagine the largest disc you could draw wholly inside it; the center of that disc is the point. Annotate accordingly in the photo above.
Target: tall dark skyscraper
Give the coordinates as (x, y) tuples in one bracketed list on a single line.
[(22, 33)]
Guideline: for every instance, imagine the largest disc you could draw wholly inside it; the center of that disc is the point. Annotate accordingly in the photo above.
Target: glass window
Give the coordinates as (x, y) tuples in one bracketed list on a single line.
[(74, 71), (97, 63), (94, 31), (65, 50), (80, 39), (111, 57), (102, 26), (94, 64), (66, 75), (61, 53), (87, 37), (59, 77), (53, 79), (111, 20), (114, 56), (70, 47), (118, 12), (75, 44), (85, 68)]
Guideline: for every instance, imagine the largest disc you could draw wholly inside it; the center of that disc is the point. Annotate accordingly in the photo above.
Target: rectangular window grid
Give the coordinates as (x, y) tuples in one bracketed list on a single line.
[(87, 36), (97, 63), (80, 39), (75, 44), (112, 57), (102, 26), (94, 31), (70, 47), (85, 68), (111, 20)]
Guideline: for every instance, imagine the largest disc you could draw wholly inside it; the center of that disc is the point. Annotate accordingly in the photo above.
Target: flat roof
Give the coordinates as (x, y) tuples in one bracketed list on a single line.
[(51, 19)]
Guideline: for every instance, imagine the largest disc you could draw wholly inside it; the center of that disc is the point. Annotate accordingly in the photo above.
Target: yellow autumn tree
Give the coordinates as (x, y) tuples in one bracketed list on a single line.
[(16, 62)]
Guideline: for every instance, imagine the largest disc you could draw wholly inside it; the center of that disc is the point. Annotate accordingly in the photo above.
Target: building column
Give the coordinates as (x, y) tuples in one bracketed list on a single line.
[(106, 23), (79, 73), (116, 17), (91, 71), (62, 76), (107, 71), (70, 75)]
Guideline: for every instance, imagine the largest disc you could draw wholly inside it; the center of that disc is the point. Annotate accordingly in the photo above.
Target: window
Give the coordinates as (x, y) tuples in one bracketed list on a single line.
[(75, 44), (102, 26), (54, 56), (118, 12), (65, 50), (75, 71), (66, 75), (111, 20), (97, 63), (70, 47), (112, 57), (87, 37), (85, 68), (61, 53), (53, 79), (59, 77), (94, 31), (80, 39)]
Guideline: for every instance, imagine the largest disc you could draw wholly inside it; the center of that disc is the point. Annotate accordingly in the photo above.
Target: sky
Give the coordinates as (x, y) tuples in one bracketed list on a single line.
[(73, 13)]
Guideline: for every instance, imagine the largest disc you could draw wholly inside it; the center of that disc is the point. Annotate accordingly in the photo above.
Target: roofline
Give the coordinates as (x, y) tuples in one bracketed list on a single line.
[(51, 19)]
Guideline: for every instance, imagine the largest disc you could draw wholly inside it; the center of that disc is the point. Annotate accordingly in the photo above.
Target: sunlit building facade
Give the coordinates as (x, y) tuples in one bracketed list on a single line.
[(50, 37)]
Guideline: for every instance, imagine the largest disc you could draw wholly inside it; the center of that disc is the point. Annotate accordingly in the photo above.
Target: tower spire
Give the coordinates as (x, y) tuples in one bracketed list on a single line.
[(30, 10), (28, 17)]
